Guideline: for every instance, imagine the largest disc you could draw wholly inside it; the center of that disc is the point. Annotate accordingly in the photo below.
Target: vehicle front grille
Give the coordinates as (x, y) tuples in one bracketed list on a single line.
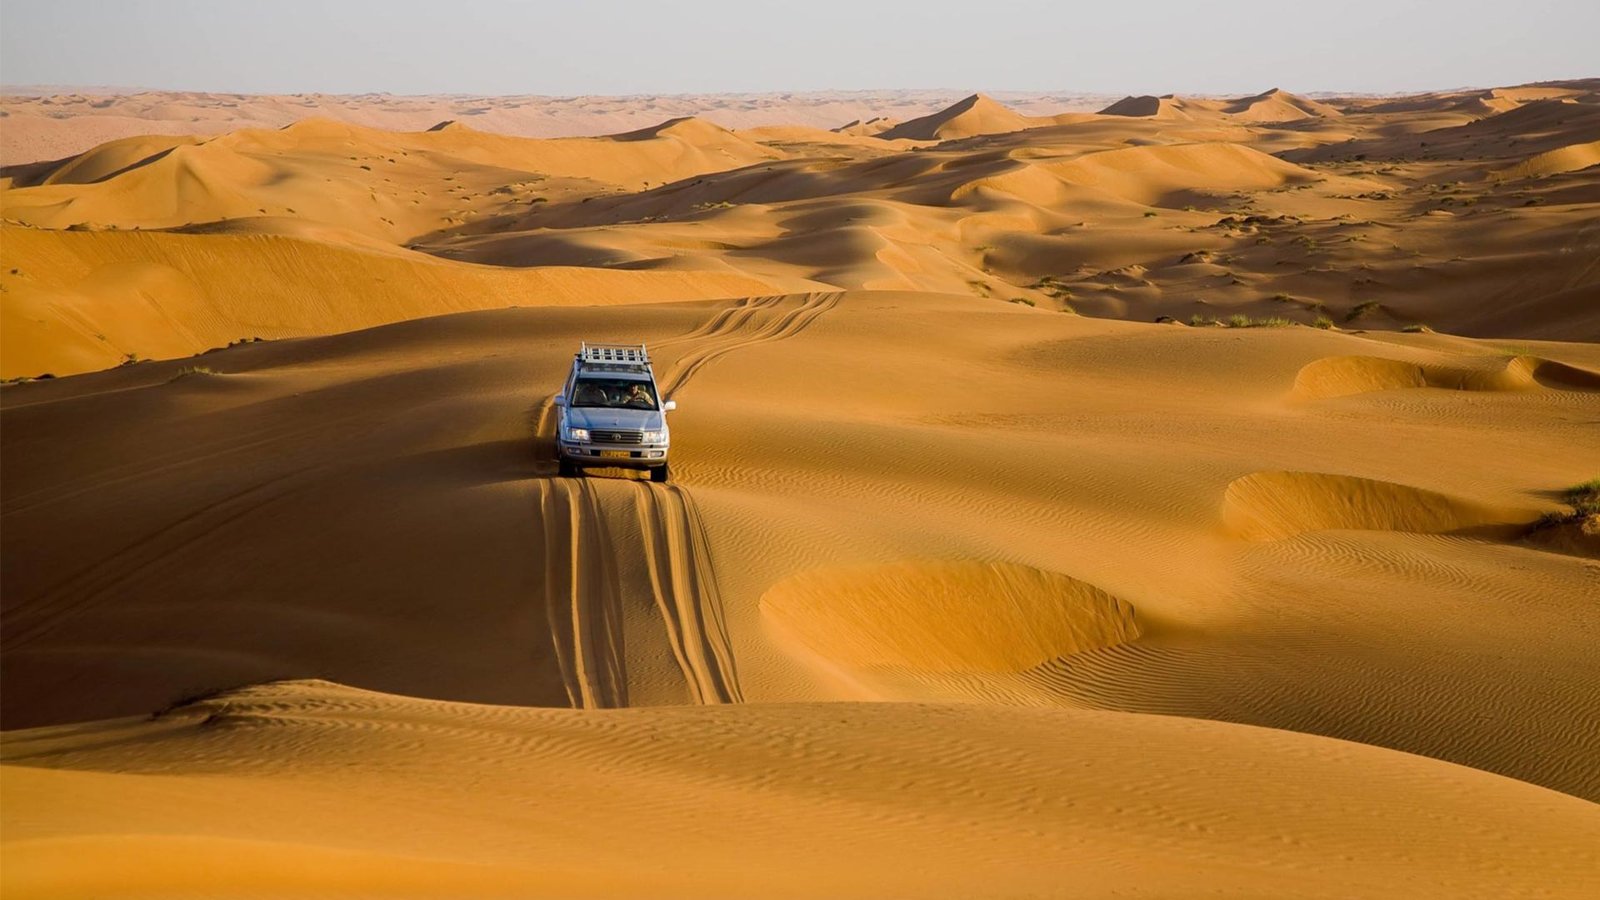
[(617, 437)]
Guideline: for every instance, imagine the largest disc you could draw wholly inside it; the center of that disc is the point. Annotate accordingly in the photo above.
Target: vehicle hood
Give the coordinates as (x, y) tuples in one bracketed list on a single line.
[(628, 419)]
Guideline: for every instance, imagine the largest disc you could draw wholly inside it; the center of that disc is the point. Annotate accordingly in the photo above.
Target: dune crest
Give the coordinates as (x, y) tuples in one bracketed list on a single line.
[(1571, 158), (1277, 105), (970, 117), (102, 298), (947, 616), (1270, 506), (1165, 106), (1341, 376)]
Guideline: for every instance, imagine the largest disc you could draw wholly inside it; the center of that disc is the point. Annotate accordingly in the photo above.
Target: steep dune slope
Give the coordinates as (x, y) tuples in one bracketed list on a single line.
[(972, 116), (1277, 106), (1148, 106)]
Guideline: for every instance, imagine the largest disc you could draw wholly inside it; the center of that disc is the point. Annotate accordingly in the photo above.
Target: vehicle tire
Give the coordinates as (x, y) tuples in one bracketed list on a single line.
[(567, 468), (659, 474)]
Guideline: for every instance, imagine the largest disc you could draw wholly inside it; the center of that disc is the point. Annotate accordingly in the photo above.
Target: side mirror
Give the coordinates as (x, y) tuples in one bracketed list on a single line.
[(669, 406), (560, 400)]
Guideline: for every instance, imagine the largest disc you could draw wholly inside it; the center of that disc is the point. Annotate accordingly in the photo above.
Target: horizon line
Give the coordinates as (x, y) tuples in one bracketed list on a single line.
[(49, 90)]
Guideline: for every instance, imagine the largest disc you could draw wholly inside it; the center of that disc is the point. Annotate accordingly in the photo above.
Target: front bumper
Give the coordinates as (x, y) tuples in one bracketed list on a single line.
[(639, 456)]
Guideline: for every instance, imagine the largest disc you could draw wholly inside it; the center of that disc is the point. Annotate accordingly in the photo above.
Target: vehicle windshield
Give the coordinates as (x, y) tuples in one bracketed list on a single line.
[(613, 393)]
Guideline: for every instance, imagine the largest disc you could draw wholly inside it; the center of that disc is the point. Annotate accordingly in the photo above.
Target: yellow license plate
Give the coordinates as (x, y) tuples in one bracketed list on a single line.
[(616, 454)]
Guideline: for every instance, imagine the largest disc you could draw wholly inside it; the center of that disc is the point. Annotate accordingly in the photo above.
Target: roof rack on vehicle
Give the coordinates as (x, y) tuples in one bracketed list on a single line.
[(614, 354)]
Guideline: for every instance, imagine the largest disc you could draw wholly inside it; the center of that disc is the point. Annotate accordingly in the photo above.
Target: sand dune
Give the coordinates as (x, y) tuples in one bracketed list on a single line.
[(1570, 158), (85, 301), (908, 800), (1149, 175), (972, 116), (45, 124), (449, 406), (968, 575), (1277, 106), (1217, 216), (1163, 107), (391, 186), (1345, 375), (1274, 106), (948, 616), (1275, 505)]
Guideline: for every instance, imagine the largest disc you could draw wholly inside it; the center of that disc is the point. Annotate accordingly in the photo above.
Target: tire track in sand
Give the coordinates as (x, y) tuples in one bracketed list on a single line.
[(684, 584), (582, 599), (730, 320), (682, 577), (811, 307), (36, 616)]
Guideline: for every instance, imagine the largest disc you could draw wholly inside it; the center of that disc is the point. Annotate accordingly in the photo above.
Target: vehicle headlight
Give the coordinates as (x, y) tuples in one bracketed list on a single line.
[(655, 437), (577, 434)]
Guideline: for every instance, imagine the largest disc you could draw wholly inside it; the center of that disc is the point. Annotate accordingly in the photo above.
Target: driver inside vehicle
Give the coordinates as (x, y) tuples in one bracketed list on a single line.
[(639, 397)]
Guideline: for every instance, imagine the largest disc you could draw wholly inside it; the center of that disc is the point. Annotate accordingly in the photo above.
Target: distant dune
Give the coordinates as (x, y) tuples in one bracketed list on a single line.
[(1166, 107), (1278, 106), (1271, 206), (50, 123), (974, 115)]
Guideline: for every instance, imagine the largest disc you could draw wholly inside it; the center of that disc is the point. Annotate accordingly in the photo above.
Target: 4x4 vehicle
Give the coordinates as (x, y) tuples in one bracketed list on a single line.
[(611, 412)]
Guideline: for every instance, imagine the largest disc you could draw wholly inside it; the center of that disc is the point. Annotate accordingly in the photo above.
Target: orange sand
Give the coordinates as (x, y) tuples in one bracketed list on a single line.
[(950, 595)]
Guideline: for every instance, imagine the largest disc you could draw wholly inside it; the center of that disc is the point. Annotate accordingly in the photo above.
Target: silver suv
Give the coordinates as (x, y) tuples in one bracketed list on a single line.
[(611, 412)]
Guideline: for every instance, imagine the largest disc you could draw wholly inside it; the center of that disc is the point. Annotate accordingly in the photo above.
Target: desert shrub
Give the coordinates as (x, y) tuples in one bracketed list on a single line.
[(1584, 499), (1361, 309), (1322, 322), (1052, 286), (1022, 300), (1239, 320)]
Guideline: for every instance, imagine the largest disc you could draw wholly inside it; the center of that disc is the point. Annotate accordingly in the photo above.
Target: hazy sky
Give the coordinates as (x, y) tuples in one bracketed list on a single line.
[(692, 46)]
